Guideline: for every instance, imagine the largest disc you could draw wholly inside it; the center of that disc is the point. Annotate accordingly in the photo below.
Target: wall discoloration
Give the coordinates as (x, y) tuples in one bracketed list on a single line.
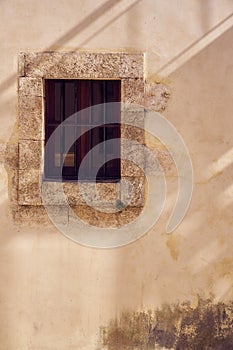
[(178, 327), (173, 243)]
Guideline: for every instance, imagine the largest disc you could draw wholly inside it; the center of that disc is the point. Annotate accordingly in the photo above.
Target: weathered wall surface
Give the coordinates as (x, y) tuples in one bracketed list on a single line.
[(56, 294)]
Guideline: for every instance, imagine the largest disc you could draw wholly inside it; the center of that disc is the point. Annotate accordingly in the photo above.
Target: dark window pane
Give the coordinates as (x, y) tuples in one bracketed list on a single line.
[(97, 100), (112, 169), (53, 101), (52, 153), (84, 101), (63, 99), (113, 151), (68, 154), (98, 154), (82, 147), (113, 94), (112, 90), (69, 101)]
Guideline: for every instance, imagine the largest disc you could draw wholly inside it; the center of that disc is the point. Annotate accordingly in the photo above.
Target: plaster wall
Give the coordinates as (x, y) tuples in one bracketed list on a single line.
[(55, 294)]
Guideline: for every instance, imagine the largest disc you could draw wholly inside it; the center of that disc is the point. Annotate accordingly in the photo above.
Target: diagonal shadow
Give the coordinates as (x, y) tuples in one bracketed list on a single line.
[(194, 43), (109, 22), (93, 16), (85, 23)]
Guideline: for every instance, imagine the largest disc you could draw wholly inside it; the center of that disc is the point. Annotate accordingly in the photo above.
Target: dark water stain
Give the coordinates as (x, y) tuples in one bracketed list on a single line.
[(208, 326)]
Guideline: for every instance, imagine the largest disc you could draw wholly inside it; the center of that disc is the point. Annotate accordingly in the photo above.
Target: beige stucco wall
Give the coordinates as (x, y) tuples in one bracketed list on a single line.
[(55, 294)]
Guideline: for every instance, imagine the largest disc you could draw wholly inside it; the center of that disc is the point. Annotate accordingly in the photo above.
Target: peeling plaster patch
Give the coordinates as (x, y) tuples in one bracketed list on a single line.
[(206, 326), (156, 96)]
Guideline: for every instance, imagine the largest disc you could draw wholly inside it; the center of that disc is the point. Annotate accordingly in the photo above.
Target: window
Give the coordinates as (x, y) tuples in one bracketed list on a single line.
[(73, 101), (48, 84)]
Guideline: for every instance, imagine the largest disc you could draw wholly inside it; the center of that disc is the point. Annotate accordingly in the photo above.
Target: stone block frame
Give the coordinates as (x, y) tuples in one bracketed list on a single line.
[(34, 68)]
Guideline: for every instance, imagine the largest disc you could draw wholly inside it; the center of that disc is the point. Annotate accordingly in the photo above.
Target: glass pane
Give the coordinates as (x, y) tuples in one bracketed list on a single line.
[(113, 95), (84, 101), (113, 90), (97, 115), (83, 146), (69, 101), (113, 132), (98, 155), (112, 167), (53, 101), (52, 153), (69, 157), (63, 99), (58, 101)]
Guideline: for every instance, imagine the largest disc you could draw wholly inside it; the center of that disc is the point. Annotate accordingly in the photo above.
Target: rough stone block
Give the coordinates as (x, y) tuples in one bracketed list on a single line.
[(30, 154), (133, 91), (128, 215), (38, 215), (156, 96), (29, 187), (93, 217), (132, 65), (133, 133), (30, 215), (129, 168), (12, 156), (108, 191), (52, 193), (133, 191), (134, 118), (30, 86), (91, 193), (30, 118), (133, 153), (72, 193), (80, 65)]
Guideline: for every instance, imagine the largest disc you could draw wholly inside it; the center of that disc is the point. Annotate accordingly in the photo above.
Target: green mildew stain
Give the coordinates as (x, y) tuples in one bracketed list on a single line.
[(208, 326)]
